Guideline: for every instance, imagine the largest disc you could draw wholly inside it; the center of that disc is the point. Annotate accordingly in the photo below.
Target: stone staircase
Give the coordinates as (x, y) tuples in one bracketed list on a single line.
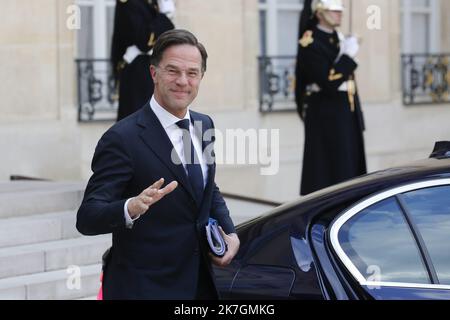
[(42, 255)]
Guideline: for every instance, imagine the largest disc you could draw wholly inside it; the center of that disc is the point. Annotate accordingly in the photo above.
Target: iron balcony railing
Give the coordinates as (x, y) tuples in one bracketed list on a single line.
[(426, 78), (276, 83), (97, 95)]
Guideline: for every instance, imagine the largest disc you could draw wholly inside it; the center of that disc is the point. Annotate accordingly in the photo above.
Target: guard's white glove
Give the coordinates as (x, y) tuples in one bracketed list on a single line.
[(167, 7), (131, 54), (350, 46)]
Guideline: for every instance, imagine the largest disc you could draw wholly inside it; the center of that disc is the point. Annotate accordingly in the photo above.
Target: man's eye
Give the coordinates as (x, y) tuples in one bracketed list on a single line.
[(193, 74)]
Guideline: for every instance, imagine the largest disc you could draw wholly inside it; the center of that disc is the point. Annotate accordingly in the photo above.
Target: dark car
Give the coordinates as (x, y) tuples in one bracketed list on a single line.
[(385, 235)]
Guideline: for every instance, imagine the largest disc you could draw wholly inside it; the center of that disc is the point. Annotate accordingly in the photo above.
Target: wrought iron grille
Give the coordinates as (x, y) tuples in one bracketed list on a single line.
[(97, 95), (426, 78), (276, 84)]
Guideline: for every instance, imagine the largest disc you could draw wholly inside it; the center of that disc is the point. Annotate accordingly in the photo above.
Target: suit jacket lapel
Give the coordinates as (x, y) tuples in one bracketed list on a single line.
[(155, 137)]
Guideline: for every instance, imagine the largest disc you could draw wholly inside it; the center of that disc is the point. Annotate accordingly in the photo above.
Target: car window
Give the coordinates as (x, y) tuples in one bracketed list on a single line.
[(380, 244), (430, 211)]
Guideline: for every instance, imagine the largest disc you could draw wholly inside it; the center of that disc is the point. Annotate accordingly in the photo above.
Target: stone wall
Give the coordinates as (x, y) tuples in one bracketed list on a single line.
[(41, 136)]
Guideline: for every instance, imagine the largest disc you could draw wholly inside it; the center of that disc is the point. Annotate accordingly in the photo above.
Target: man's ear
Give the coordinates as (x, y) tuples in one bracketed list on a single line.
[(153, 72), (319, 16)]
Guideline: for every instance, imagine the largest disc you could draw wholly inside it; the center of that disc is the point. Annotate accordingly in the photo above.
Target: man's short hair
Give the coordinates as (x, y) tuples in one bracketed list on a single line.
[(176, 37)]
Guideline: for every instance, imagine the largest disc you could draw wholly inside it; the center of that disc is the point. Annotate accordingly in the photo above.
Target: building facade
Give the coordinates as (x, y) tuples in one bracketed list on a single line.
[(404, 43)]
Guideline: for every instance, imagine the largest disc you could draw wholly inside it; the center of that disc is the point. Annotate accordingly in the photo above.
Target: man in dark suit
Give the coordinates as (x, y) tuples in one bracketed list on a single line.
[(137, 25), (327, 98), (159, 249)]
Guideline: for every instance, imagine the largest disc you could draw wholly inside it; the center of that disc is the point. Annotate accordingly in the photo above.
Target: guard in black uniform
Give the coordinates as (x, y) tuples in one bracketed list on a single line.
[(327, 98), (137, 25)]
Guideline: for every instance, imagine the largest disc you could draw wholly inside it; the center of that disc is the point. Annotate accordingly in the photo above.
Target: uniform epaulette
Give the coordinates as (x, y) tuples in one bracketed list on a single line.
[(307, 39)]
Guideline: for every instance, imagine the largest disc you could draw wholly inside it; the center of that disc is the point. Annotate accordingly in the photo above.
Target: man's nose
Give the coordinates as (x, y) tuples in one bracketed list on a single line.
[(182, 79)]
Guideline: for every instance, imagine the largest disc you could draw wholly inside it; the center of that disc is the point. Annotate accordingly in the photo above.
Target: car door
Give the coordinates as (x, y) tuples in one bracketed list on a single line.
[(396, 244), (264, 273)]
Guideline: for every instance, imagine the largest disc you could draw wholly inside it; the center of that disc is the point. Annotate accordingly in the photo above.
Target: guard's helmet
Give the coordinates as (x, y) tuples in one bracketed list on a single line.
[(332, 5)]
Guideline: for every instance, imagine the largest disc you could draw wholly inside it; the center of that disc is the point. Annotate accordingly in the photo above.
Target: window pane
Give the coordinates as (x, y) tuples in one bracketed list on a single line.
[(262, 33), (419, 3), (85, 42), (109, 28), (421, 29), (415, 3), (380, 237), (287, 32), (430, 210), (289, 1), (420, 26)]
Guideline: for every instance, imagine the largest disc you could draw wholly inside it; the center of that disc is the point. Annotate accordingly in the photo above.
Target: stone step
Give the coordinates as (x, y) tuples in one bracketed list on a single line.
[(19, 198), (237, 220), (88, 298), (51, 256), (38, 228), (53, 285), (36, 197), (242, 211), (245, 209), (51, 227)]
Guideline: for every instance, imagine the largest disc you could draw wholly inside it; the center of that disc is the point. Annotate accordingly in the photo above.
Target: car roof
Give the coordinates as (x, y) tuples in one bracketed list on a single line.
[(356, 189)]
